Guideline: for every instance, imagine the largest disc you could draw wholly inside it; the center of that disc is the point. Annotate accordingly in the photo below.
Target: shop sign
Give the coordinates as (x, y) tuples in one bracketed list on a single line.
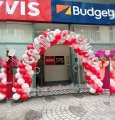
[(27, 10), (77, 12), (60, 11), (59, 60), (49, 60)]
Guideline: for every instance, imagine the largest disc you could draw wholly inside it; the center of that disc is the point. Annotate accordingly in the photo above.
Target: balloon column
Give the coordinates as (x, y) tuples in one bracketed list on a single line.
[(112, 72), (3, 86), (80, 45)]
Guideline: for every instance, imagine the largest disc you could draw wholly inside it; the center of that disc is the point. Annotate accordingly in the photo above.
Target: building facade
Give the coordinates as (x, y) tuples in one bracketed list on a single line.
[(18, 31)]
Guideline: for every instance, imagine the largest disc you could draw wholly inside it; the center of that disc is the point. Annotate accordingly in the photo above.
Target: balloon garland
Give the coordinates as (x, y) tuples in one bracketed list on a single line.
[(112, 72), (111, 58), (23, 77), (3, 86)]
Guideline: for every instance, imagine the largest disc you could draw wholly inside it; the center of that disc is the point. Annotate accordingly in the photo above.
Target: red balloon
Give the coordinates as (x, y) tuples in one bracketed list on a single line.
[(28, 54), (4, 65), (30, 47), (45, 34), (66, 42), (42, 50), (15, 79), (16, 85), (87, 66), (24, 97), (112, 89), (2, 85), (112, 75), (90, 81), (78, 51), (29, 81), (21, 65), (73, 41), (20, 91), (84, 64), (95, 86), (26, 77), (85, 53), (0, 90), (87, 77), (4, 91), (34, 65), (99, 90), (58, 37), (22, 71)]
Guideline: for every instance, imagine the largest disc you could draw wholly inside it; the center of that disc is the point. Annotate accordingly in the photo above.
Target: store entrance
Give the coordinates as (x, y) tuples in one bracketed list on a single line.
[(55, 68)]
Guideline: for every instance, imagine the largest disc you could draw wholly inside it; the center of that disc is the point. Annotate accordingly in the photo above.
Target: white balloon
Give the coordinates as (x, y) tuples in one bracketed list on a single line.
[(25, 86), (88, 85), (24, 55), (2, 96), (13, 89), (97, 68), (35, 51), (27, 90), (20, 81), (36, 40), (2, 75), (18, 70), (81, 57), (4, 81), (85, 70), (2, 69), (28, 67), (100, 83), (96, 81), (38, 57), (16, 96), (18, 75), (93, 77), (89, 73), (26, 52), (89, 62), (112, 82), (92, 90), (31, 72), (75, 46), (57, 31), (84, 60), (24, 63)]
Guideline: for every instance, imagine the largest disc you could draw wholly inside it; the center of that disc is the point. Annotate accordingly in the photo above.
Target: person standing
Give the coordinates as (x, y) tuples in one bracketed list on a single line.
[(104, 71)]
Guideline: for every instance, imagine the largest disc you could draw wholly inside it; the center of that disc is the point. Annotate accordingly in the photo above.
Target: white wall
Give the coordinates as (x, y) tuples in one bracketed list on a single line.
[(57, 72)]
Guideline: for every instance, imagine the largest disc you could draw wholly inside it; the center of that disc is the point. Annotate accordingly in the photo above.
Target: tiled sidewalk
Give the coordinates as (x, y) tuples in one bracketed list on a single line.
[(65, 107)]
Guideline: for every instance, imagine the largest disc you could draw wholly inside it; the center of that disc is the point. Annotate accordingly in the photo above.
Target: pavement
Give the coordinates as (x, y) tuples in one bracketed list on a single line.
[(83, 106)]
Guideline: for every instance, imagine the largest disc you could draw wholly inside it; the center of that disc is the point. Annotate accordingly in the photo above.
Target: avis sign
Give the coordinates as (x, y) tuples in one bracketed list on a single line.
[(27, 10)]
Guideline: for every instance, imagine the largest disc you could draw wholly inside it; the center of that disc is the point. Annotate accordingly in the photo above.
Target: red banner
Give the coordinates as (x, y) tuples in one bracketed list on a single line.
[(26, 10), (49, 60), (2, 10)]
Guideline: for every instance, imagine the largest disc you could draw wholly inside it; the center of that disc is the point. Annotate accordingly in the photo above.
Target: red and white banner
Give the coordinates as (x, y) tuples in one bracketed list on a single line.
[(26, 10)]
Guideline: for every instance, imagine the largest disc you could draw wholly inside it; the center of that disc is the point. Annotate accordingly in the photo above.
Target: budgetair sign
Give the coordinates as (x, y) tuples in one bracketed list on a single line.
[(87, 13), (98, 14)]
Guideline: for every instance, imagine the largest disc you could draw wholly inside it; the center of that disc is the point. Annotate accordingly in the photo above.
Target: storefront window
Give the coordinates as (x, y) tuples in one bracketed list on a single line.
[(15, 32)]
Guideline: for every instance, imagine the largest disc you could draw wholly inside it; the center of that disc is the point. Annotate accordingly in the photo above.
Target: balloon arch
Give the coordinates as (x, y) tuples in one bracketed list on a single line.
[(25, 70), (3, 79)]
